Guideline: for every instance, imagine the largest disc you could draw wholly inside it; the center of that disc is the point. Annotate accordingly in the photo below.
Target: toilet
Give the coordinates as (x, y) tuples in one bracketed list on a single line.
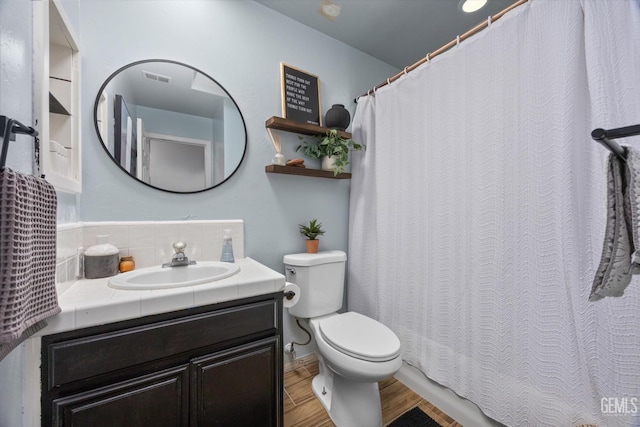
[(354, 351)]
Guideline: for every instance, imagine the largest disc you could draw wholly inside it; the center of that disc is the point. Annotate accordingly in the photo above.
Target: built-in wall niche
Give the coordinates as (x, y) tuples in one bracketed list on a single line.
[(57, 96)]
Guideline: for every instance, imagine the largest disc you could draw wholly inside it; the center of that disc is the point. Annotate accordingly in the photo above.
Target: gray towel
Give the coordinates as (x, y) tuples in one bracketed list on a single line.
[(632, 204), (621, 252), (27, 257)]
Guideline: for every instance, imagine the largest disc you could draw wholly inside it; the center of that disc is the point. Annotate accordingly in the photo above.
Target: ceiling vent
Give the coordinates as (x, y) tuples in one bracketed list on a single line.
[(156, 77)]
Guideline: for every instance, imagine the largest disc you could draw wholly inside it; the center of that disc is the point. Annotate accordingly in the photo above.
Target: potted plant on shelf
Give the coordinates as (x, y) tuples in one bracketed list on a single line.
[(311, 232), (332, 149)]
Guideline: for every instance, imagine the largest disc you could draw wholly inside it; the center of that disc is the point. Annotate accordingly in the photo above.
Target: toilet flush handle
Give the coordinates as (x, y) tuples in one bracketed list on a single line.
[(290, 294)]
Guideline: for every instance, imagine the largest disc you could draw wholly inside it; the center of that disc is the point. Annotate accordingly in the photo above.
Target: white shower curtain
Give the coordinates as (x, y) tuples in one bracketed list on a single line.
[(478, 210)]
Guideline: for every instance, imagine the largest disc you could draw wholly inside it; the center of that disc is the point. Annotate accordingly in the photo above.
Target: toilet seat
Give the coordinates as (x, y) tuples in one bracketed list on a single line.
[(360, 337)]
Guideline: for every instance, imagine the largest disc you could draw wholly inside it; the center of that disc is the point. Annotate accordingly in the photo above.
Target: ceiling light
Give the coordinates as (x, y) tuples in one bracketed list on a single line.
[(469, 6), (329, 10)]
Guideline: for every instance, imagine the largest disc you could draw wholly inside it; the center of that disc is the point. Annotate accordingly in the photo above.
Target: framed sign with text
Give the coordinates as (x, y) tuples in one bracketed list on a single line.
[(300, 95)]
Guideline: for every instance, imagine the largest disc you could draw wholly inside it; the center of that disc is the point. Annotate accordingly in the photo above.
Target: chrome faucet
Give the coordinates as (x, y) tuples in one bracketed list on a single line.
[(179, 259)]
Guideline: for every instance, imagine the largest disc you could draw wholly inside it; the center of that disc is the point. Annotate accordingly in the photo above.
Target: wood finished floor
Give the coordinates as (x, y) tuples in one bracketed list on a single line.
[(302, 409)]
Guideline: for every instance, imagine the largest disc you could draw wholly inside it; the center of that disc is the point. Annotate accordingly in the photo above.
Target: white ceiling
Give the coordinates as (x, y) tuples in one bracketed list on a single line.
[(398, 32)]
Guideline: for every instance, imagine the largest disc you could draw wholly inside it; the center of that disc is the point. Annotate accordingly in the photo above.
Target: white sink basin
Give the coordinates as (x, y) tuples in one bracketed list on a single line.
[(174, 277)]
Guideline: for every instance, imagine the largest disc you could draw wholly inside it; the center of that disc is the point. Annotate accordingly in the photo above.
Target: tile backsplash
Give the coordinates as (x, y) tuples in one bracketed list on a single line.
[(149, 242)]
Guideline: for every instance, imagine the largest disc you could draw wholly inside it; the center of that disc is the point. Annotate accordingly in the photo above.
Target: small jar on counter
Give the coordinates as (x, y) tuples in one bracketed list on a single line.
[(126, 264), (101, 259)]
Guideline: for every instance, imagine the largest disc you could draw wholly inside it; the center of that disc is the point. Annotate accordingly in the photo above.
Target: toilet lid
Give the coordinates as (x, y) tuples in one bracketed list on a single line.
[(360, 336)]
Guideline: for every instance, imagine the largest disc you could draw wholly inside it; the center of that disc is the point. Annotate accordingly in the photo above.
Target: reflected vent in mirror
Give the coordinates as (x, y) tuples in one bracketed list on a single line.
[(157, 77)]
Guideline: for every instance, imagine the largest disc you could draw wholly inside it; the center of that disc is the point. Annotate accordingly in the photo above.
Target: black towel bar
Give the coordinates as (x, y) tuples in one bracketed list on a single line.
[(605, 137), (8, 128)]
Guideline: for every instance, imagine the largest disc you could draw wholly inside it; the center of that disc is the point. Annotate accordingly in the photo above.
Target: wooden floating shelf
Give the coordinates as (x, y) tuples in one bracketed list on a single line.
[(278, 123), (291, 170)]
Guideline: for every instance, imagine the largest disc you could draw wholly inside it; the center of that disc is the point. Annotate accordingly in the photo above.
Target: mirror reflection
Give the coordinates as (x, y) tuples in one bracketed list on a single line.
[(170, 126)]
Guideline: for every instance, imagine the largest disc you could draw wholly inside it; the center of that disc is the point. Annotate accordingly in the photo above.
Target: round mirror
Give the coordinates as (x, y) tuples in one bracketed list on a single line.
[(170, 126)]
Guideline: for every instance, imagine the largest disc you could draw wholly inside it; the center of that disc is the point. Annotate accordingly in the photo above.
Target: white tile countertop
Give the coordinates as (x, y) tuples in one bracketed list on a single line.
[(91, 302)]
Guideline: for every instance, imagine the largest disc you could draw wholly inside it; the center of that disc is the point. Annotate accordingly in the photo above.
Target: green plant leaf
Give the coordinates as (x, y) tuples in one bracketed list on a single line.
[(330, 144), (311, 231)]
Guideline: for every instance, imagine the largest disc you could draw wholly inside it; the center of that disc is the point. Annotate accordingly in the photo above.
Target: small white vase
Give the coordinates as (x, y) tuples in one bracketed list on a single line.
[(329, 163), (279, 159)]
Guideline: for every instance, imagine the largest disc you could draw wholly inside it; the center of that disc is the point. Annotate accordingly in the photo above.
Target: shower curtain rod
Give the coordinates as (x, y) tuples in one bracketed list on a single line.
[(446, 47)]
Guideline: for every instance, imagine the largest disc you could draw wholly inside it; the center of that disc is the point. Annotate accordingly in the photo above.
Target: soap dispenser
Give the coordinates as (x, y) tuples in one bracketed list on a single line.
[(227, 247)]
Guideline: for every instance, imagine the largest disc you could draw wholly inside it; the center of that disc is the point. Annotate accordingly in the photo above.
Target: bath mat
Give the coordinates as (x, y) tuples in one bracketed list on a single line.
[(414, 418)]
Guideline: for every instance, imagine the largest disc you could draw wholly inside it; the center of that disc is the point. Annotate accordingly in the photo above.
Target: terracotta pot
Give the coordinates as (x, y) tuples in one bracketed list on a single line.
[(312, 246)]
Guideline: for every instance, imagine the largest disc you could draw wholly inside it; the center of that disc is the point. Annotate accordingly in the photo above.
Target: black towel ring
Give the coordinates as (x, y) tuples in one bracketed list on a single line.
[(8, 129)]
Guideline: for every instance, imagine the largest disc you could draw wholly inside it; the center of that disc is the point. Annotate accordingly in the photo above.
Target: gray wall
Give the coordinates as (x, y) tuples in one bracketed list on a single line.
[(241, 45), (176, 124), (16, 73), (233, 132), (238, 42), (16, 101)]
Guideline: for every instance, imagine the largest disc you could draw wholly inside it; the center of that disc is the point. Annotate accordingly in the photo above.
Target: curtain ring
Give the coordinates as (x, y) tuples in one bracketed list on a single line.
[(489, 21), (428, 56), (369, 92), (388, 82), (405, 70), (458, 40)]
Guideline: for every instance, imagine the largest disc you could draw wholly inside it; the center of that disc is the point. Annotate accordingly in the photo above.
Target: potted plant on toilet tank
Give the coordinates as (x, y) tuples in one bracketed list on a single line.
[(332, 149), (311, 232)]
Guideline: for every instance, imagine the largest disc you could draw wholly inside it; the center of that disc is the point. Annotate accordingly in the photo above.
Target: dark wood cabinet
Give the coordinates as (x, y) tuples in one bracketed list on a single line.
[(220, 399), (219, 365), (159, 399)]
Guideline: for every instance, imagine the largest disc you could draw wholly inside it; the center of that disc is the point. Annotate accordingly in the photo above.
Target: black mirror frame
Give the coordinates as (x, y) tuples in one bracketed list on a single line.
[(104, 146)]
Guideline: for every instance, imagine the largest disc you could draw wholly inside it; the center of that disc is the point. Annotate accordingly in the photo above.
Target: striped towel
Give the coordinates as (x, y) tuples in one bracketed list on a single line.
[(27, 257)]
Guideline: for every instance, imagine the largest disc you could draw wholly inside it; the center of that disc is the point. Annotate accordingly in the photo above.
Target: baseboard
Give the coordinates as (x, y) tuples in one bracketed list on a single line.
[(460, 409)]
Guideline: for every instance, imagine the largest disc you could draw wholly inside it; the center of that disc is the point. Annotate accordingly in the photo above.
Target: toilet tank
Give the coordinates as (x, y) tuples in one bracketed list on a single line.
[(321, 280)]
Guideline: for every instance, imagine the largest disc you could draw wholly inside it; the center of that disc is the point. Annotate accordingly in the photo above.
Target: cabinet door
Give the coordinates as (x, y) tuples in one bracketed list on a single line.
[(237, 387), (159, 399)]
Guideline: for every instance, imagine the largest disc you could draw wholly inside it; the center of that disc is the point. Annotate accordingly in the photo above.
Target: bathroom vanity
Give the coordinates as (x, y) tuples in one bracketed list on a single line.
[(217, 361)]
